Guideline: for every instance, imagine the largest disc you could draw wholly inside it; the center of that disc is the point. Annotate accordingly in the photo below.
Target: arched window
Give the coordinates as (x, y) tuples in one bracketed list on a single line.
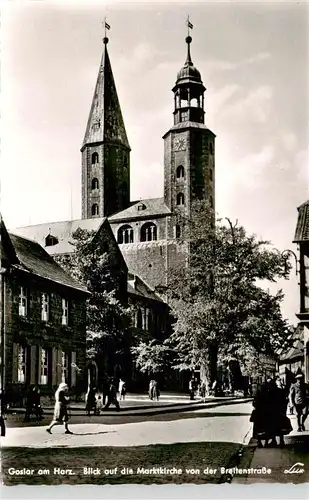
[(95, 209), (125, 234), (180, 172), (94, 158), (210, 148), (178, 231), (95, 183), (139, 319), (125, 162), (149, 232), (211, 201), (180, 199)]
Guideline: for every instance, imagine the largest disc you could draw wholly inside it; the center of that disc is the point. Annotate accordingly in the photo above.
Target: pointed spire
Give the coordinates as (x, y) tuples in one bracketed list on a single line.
[(105, 122)]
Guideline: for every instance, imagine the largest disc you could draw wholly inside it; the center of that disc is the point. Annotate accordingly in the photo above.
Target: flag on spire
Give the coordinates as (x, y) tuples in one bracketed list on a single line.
[(189, 24), (107, 26)]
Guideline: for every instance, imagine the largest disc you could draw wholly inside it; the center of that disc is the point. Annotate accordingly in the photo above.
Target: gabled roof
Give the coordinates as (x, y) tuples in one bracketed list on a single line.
[(29, 256), (32, 257), (105, 122), (302, 227), (151, 207), (138, 287), (62, 230)]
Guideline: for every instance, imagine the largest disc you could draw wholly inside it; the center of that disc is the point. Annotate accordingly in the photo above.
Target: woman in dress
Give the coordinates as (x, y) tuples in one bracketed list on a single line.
[(61, 408)]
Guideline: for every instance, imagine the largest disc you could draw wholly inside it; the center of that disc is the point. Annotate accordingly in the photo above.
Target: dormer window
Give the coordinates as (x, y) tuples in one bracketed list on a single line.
[(141, 206), (51, 240)]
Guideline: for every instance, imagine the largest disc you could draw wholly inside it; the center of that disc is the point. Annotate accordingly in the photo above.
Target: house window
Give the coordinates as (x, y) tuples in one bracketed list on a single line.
[(65, 312), (95, 209), (51, 240), (95, 184), (178, 231), (45, 307), (180, 199), (125, 234), (94, 158), (180, 172), (22, 364), (64, 366), (139, 319), (44, 367), (149, 232), (22, 302)]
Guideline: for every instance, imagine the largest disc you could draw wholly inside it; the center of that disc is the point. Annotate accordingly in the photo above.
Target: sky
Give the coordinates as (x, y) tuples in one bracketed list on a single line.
[(253, 58)]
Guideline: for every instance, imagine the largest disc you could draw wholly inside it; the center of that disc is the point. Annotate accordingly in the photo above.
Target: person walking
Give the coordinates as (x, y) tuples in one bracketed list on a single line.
[(112, 396), (299, 398), (61, 408)]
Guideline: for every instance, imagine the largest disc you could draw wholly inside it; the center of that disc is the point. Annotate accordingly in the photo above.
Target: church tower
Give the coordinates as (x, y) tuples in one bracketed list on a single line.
[(105, 150), (189, 146)]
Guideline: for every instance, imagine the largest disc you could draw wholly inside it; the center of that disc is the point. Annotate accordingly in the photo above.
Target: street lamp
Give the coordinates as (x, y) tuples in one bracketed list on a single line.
[(286, 254)]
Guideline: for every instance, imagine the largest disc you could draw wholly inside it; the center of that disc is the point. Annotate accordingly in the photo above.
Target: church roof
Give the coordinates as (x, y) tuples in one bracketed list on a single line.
[(105, 122), (151, 207), (62, 231), (302, 227), (138, 287)]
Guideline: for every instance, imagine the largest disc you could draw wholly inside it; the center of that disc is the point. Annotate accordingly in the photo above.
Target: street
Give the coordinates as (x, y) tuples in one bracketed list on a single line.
[(211, 444)]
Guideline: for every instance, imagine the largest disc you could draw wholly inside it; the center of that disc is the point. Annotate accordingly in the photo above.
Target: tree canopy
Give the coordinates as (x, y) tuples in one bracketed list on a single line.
[(220, 309), (108, 318)]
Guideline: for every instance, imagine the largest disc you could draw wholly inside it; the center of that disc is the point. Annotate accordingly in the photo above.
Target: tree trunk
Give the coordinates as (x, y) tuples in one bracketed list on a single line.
[(208, 369)]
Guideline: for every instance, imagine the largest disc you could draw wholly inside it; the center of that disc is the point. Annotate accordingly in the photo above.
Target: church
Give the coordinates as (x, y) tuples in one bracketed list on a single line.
[(147, 231)]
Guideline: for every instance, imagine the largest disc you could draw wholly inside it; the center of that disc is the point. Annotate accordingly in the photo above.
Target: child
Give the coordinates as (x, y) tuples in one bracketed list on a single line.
[(99, 404)]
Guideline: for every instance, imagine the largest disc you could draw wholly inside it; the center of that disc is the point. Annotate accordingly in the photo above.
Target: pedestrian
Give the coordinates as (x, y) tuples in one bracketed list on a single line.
[(61, 408), (203, 391), (299, 399), (112, 396), (122, 389), (192, 387), (99, 404), (91, 400), (155, 390), (269, 415), (105, 389), (36, 399), (150, 391), (29, 403)]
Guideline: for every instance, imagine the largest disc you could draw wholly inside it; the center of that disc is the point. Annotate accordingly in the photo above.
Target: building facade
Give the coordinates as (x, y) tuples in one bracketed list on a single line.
[(43, 313), (302, 239)]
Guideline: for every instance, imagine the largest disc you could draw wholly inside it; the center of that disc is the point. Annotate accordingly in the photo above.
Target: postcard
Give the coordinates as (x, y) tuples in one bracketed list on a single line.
[(154, 249)]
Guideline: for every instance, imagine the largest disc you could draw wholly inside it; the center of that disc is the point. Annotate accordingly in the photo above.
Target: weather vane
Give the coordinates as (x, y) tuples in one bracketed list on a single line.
[(106, 26), (189, 25)]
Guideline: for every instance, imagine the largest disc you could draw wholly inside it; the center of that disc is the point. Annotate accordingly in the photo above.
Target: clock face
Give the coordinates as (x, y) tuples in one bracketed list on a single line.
[(180, 144)]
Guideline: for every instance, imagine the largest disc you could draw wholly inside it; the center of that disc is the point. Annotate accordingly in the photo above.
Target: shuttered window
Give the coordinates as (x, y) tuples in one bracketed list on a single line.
[(22, 301)]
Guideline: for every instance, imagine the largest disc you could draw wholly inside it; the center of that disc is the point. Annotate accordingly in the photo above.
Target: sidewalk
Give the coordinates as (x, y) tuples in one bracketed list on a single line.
[(287, 464), (142, 405)]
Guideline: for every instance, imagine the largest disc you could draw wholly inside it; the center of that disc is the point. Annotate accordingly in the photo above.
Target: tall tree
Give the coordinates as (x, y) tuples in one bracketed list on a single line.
[(217, 300), (108, 318)]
